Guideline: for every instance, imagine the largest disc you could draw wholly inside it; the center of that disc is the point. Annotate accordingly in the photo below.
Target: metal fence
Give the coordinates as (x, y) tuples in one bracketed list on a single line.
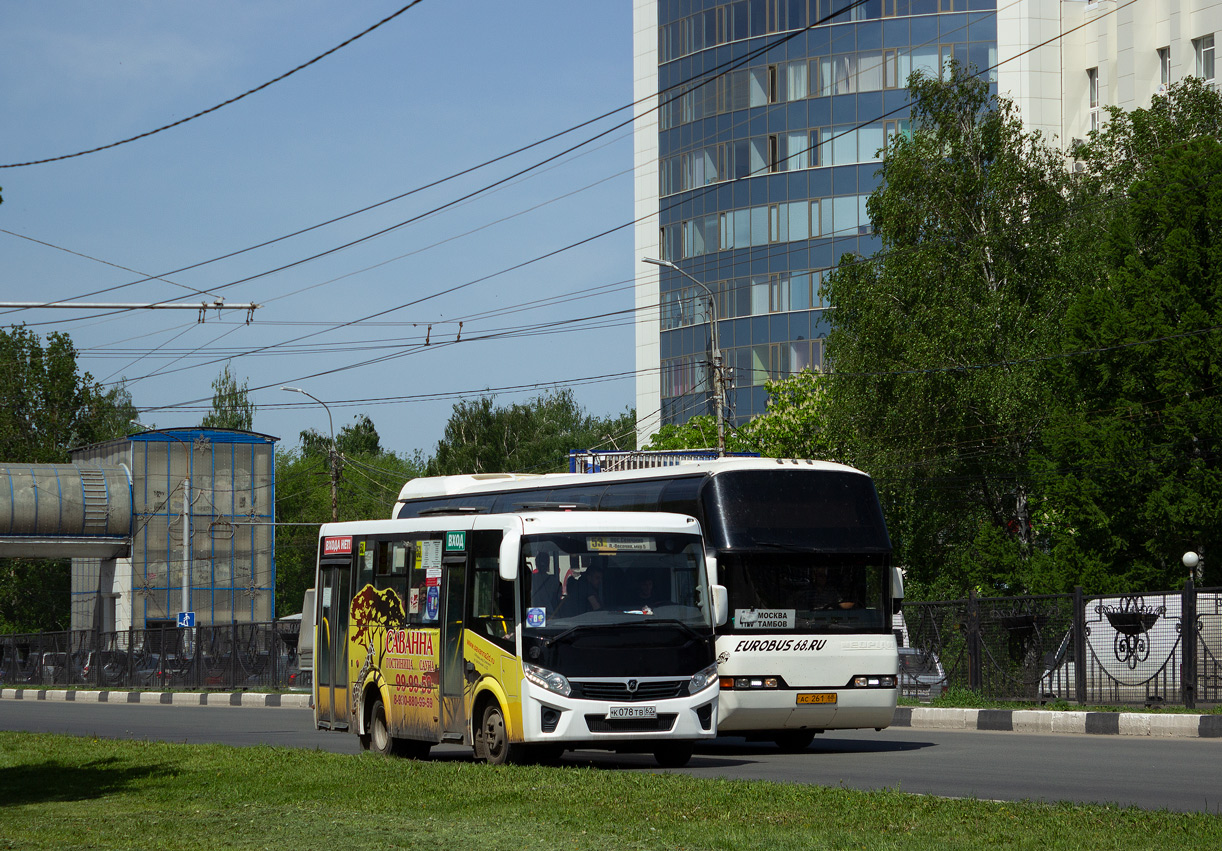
[(236, 656), (1145, 649), (1149, 649)]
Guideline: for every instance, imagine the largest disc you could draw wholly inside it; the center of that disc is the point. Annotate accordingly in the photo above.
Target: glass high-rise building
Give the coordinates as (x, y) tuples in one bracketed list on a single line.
[(759, 132)]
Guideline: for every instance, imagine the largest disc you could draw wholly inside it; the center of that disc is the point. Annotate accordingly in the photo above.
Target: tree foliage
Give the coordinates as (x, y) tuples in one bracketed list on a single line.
[(1135, 448), (369, 485), (792, 426), (937, 341), (535, 436), (231, 405), (47, 408), (358, 438)]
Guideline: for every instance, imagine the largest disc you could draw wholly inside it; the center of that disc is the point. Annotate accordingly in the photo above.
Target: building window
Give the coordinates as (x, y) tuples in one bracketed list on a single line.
[(1204, 49), (1092, 83), (1164, 68)]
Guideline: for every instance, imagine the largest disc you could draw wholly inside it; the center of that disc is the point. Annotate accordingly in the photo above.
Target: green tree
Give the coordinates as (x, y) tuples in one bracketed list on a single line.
[(699, 432), (47, 408), (35, 595), (369, 485), (231, 405), (358, 438), (1135, 447), (791, 427), (1114, 157), (938, 387), (535, 436)]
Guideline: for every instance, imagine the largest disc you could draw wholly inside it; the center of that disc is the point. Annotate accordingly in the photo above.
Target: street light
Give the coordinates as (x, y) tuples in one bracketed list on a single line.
[(1192, 561), (334, 454), (718, 381)]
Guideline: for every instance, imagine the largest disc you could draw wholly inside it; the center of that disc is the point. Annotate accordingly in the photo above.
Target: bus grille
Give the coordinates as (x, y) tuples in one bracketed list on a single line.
[(618, 691), (661, 724)]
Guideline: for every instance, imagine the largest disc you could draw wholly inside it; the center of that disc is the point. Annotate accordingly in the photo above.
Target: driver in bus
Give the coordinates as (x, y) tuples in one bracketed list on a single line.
[(825, 595)]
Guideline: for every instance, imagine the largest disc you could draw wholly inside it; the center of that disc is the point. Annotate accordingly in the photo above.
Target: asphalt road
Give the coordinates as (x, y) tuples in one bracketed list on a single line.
[(1173, 774)]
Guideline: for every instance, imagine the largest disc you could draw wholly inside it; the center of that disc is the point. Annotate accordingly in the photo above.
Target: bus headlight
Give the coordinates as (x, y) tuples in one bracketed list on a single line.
[(549, 680), (884, 681), (702, 680)]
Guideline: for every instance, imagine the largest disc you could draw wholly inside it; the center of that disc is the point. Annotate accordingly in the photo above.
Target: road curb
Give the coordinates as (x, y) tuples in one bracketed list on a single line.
[(175, 698), (1150, 724)]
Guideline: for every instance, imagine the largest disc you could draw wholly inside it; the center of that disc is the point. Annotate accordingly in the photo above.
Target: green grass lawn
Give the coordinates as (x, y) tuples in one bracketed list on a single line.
[(62, 792)]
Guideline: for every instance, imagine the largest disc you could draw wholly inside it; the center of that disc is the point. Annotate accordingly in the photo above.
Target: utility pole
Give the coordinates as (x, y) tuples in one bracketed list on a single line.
[(718, 377)]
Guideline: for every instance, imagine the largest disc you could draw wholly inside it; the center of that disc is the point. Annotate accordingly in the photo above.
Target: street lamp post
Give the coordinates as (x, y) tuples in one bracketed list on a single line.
[(718, 379), (334, 454)]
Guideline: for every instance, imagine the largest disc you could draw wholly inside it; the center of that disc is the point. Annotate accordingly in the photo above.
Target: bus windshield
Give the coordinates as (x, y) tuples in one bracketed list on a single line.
[(806, 593), (592, 579)]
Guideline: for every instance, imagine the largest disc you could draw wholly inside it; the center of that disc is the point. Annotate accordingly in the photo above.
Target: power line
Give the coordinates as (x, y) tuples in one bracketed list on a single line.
[(231, 100)]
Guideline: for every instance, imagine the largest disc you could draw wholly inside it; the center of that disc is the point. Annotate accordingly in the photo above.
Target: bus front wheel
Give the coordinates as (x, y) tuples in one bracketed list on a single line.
[(378, 738), (492, 743)]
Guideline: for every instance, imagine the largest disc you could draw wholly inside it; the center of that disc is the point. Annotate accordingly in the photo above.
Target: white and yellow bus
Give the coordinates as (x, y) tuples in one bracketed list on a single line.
[(521, 635)]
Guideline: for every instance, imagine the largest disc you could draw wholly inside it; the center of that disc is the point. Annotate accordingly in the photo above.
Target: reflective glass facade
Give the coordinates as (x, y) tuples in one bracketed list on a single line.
[(757, 158)]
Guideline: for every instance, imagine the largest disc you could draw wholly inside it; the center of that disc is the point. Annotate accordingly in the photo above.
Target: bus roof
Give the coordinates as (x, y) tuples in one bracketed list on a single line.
[(530, 522), (436, 486)]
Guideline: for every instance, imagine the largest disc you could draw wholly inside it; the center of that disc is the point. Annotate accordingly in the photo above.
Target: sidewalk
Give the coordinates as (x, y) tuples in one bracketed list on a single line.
[(1153, 724), (294, 700)]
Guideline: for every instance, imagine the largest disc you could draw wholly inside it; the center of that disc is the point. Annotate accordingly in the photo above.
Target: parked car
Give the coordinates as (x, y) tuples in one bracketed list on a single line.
[(921, 674), (299, 678), (104, 667), (53, 668), (157, 670)]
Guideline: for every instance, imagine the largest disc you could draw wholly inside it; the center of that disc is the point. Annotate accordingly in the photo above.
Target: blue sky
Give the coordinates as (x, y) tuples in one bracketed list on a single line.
[(441, 88)]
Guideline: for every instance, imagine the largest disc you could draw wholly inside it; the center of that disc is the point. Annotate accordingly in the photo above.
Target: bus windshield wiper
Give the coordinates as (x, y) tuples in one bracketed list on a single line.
[(785, 548), (671, 622), (564, 633)]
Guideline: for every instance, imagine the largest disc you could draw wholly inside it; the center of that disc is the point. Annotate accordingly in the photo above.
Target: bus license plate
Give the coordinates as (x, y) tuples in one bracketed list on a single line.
[(632, 712), (820, 697)]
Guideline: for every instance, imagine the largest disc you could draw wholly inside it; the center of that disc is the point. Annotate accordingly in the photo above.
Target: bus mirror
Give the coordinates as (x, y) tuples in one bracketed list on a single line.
[(710, 567), (511, 546), (721, 605), (897, 590)]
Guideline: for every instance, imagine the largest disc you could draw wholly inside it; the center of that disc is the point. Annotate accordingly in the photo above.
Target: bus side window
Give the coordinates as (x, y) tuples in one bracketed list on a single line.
[(364, 563), (491, 607), (417, 587), (390, 569)]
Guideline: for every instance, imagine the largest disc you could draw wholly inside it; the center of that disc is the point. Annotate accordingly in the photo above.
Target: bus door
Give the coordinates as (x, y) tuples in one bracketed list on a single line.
[(454, 588), (332, 699)]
